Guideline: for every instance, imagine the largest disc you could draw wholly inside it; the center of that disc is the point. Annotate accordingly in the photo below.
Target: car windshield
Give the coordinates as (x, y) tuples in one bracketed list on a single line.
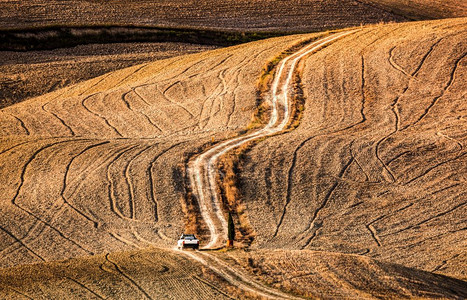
[(188, 236)]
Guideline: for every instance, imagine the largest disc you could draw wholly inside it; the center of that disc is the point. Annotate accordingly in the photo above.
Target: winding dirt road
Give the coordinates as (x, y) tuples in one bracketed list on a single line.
[(202, 170)]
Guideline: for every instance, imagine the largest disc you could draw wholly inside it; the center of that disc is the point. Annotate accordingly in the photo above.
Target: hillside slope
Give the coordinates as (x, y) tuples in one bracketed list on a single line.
[(100, 166), (423, 9), (167, 274), (30, 74), (375, 172), (377, 166), (245, 15)]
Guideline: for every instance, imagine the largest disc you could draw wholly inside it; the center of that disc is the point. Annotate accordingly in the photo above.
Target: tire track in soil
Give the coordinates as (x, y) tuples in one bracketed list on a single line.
[(65, 179), (443, 91), (234, 276), (111, 191), (131, 188), (151, 179), (44, 108), (20, 293), (60, 209), (126, 276), (18, 191), (395, 107), (82, 285), (202, 168), (128, 105), (83, 103), (21, 124)]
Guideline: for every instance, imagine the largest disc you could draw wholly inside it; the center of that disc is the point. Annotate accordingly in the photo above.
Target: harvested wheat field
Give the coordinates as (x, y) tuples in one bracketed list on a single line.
[(99, 166), (167, 274), (377, 166), (29, 74), (149, 274), (328, 275), (339, 155)]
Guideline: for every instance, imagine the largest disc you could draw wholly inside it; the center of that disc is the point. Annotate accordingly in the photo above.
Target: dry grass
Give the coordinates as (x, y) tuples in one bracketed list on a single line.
[(376, 166)]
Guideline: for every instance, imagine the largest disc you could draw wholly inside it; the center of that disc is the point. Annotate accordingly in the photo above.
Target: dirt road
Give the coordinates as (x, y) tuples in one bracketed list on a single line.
[(203, 168)]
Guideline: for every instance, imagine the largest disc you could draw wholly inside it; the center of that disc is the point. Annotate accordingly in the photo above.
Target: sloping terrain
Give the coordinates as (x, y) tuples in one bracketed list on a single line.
[(422, 9), (373, 177), (377, 166), (100, 166), (270, 15), (70, 23), (150, 274), (324, 275), (167, 274), (29, 74)]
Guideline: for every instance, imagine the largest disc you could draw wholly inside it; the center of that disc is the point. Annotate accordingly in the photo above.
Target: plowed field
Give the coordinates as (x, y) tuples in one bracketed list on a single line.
[(363, 195), (327, 275), (432, 9), (225, 15)]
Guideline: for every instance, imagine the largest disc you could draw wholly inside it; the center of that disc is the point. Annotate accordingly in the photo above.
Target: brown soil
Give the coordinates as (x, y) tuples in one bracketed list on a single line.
[(158, 274), (29, 74), (377, 166), (270, 15), (422, 9), (375, 170)]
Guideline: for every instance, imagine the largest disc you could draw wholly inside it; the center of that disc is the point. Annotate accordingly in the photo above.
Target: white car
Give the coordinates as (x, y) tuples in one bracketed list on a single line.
[(188, 241)]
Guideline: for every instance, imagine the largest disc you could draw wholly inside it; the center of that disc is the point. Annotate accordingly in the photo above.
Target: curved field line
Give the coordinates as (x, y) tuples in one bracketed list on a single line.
[(395, 65), (202, 170), (44, 108), (131, 188), (23, 126), (111, 191), (18, 292), (82, 285), (126, 276)]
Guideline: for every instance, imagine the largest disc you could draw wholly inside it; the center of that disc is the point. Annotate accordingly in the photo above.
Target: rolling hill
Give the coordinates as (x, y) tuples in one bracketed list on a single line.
[(362, 195), (377, 165), (99, 166)]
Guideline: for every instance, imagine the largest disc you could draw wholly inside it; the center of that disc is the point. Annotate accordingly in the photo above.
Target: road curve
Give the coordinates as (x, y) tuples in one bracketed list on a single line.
[(203, 168)]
